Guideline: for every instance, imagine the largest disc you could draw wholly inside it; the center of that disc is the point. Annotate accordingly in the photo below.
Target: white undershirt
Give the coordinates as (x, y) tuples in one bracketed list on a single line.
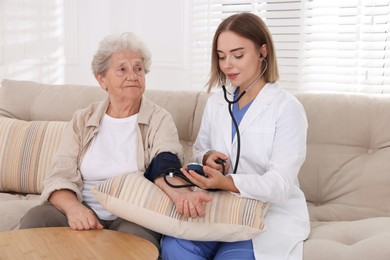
[(113, 151)]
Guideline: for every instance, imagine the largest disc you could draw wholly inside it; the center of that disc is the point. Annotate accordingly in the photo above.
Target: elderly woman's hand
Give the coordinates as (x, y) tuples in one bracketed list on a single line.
[(82, 218), (191, 204)]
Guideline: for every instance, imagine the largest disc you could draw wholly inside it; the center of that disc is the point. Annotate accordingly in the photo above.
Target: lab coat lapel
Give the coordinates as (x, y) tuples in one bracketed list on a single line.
[(225, 125), (224, 121), (258, 106)]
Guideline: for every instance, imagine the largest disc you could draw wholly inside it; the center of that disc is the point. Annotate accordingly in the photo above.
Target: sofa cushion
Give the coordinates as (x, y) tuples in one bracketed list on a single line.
[(26, 149), (228, 217), (360, 239), (13, 207)]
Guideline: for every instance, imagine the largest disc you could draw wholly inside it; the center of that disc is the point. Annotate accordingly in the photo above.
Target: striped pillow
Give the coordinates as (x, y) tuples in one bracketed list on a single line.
[(228, 217), (26, 149)]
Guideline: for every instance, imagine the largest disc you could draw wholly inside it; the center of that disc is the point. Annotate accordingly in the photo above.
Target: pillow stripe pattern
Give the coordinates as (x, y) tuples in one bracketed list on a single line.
[(26, 149), (29, 153), (134, 198)]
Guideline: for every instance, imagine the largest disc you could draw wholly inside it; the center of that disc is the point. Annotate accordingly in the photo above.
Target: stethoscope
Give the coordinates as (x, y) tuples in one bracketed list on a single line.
[(172, 172), (230, 108)]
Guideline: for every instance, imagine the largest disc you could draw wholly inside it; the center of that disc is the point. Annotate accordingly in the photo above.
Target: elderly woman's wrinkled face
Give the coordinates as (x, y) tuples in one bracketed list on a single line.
[(125, 78)]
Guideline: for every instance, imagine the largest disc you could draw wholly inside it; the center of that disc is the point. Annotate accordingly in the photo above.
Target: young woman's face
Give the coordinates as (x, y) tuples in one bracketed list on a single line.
[(239, 59)]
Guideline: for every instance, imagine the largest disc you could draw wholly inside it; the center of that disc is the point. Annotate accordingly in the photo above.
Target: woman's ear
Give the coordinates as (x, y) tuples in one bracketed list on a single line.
[(100, 79), (263, 51)]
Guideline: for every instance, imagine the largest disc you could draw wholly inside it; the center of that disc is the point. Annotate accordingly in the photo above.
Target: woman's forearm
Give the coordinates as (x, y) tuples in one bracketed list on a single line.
[(63, 199), (173, 193)]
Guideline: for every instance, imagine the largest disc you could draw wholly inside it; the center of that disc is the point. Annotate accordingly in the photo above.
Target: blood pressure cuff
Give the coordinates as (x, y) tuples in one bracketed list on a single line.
[(160, 164)]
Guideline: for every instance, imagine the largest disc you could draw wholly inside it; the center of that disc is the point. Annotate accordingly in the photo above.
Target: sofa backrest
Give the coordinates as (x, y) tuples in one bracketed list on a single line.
[(346, 175), (186, 108), (29, 101), (33, 101)]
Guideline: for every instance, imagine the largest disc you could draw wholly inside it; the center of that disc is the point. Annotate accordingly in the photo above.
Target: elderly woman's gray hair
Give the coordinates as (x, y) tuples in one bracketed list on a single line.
[(111, 44)]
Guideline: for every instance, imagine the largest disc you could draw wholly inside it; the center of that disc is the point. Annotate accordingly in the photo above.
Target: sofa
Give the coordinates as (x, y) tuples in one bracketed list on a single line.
[(345, 177)]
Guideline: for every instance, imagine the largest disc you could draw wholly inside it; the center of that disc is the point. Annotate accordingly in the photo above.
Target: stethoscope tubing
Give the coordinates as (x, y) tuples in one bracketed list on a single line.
[(230, 108)]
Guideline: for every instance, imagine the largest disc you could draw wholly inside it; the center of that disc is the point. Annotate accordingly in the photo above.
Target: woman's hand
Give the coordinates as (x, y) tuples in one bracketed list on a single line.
[(79, 216), (214, 180), (82, 218), (212, 156), (191, 204)]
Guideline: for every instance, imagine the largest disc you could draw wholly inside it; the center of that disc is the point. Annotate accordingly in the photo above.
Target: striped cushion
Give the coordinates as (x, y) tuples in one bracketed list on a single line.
[(228, 217), (26, 149)]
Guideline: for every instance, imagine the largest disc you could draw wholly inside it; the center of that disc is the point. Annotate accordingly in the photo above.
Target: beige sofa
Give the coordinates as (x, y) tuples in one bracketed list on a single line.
[(346, 176)]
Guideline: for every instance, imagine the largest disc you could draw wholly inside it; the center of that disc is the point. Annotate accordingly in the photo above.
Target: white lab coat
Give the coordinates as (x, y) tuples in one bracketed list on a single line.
[(273, 148)]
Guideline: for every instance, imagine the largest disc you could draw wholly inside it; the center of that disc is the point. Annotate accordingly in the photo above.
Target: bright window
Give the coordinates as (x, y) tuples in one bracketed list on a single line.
[(325, 45)]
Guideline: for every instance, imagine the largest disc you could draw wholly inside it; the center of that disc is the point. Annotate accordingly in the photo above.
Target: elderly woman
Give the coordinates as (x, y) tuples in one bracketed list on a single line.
[(124, 133)]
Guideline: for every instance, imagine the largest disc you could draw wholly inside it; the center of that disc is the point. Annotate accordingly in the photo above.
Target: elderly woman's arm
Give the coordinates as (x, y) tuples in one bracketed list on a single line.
[(79, 216), (188, 203), (167, 153), (63, 185)]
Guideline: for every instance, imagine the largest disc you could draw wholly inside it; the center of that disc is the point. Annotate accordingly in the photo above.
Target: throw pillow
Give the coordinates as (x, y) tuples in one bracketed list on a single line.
[(26, 149), (228, 217)]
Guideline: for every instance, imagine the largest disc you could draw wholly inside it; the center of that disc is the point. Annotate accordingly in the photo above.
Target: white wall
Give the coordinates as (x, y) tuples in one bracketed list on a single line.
[(53, 41)]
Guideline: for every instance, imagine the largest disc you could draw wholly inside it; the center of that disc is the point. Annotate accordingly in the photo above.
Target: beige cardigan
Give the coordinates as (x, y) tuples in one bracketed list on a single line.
[(156, 133)]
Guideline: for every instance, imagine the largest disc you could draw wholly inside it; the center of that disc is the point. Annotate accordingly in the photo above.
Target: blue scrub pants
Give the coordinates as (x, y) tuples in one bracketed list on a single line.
[(175, 248)]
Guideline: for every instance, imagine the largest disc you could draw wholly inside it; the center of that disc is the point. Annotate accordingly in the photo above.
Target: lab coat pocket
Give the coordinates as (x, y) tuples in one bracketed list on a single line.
[(261, 130), (260, 140), (260, 135)]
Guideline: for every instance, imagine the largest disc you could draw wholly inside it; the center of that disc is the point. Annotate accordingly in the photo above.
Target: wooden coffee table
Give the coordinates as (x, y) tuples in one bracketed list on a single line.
[(65, 243)]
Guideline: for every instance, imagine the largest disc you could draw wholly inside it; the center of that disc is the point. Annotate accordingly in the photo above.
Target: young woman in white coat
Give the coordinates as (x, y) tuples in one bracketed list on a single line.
[(262, 156)]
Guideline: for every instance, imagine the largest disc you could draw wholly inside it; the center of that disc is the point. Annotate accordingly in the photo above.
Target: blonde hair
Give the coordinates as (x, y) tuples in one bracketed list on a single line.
[(249, 26)]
